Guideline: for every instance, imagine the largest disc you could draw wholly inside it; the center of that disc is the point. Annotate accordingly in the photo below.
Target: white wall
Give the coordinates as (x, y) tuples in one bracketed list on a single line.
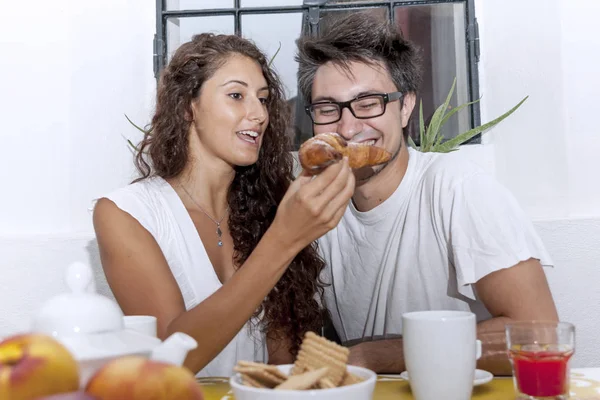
[(546, 153), (69, 74)]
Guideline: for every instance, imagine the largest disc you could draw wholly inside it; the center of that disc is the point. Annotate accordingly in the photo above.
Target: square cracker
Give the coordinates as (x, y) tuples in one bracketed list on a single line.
[(303, 381), (317, 352)]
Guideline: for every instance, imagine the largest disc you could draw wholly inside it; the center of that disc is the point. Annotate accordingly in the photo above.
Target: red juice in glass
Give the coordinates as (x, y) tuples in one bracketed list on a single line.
[(541, 373), (539, 353)]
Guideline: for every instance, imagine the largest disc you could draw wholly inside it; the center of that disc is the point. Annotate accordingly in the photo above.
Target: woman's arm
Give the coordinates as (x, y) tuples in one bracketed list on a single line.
[(142, 283), (141, 280)]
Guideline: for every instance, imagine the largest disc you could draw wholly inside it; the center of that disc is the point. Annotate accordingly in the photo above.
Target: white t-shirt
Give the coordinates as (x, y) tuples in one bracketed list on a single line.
[(158, 208), (447, 225)]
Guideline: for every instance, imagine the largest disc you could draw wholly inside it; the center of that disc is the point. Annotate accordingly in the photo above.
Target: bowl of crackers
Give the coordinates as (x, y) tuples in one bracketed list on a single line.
[(320, 370)]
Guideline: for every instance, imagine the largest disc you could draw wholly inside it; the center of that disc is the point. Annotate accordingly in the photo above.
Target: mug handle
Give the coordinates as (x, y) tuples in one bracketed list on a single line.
[(478, 349)]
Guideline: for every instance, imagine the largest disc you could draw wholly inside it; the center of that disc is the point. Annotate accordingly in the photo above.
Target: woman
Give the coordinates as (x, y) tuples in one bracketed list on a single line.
[(214, 238)]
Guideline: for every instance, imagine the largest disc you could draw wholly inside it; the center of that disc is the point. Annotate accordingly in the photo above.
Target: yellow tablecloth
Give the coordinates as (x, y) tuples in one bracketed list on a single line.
[(585, 385)]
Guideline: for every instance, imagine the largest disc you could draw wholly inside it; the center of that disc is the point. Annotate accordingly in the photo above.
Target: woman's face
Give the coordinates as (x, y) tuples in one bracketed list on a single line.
[(230, 114)]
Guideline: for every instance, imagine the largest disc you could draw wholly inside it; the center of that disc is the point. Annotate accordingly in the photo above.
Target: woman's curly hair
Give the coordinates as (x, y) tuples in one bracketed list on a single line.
[(291, 308)]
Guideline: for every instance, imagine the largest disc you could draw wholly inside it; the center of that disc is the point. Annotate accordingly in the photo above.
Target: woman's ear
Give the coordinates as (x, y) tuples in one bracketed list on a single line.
[(408, 104), (190, 113)]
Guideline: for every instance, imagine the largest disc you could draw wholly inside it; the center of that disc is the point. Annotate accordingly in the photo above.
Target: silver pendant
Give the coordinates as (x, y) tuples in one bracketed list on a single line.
[(219, 233)]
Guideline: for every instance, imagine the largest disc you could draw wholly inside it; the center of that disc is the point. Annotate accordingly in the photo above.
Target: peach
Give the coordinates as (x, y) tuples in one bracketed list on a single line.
[(69, 396), (138, 378), (35, 365)]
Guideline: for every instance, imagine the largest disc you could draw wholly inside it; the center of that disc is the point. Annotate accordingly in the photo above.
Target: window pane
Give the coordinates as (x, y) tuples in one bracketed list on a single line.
[(439, 30), (181, 30), (351, 1), (270, 3), (198, 4), (269, 32), (326, 16)]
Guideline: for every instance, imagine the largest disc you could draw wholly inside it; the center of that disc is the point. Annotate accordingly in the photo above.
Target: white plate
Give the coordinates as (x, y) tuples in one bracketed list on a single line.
[(481, 377)]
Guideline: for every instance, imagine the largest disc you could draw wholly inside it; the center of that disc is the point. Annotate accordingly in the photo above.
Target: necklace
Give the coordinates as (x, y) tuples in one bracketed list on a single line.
[(218, 223)]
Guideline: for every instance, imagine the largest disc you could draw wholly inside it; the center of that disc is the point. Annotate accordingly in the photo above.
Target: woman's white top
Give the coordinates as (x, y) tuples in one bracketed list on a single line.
[(158, 208)]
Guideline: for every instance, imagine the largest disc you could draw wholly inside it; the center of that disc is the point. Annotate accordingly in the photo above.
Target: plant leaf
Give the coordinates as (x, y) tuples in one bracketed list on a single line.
[(440, 138), (433, 130), (457, 109), (453, 143), (132, 146), (421, 125), (137, 127), (274, 55), (438, 141), (411, 143)]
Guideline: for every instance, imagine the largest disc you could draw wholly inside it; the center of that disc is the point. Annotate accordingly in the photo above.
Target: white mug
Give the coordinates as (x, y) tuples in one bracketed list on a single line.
[(144, 324), (440, 351)]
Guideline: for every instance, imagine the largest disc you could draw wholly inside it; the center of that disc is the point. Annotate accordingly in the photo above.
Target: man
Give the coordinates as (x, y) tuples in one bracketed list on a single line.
[(425, 231)]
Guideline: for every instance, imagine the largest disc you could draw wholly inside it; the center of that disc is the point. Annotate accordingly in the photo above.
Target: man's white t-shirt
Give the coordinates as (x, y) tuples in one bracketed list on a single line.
[(447, 225)]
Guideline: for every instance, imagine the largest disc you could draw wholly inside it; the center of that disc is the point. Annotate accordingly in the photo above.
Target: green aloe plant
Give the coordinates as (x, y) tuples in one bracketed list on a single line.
[(430, 136), (132, 146)]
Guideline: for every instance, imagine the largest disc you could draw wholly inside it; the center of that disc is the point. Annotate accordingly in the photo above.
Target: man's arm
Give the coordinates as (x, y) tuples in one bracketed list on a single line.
[(517, 293), (381, 356), (387, 356)]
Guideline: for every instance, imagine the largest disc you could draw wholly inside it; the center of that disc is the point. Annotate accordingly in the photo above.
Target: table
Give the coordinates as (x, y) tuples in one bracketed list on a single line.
[(585, 385)]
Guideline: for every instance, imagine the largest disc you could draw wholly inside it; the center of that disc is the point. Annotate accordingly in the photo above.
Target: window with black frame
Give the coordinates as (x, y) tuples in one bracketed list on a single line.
[(445, 31)]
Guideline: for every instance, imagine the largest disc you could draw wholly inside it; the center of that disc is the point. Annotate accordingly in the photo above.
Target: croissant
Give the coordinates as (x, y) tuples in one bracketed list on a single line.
[(328, 148)]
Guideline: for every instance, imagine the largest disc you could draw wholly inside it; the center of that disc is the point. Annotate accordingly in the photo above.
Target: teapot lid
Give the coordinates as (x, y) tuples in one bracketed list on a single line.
[(80, 311)]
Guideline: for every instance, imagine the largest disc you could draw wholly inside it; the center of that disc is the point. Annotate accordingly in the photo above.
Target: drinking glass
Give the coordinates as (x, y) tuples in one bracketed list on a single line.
[(539, 353)]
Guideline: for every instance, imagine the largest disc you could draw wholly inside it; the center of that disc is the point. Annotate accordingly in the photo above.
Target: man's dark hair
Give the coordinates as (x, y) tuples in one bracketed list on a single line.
[(360, 37)]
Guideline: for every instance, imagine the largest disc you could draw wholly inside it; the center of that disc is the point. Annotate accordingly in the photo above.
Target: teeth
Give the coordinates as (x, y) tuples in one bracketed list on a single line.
[(369, 142), (249, 133)]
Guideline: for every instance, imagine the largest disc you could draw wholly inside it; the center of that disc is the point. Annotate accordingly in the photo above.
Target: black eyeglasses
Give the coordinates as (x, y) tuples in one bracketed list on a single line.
[(362, 107)]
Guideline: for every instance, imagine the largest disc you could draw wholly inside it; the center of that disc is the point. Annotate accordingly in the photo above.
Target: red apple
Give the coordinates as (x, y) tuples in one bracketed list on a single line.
[(34, 365), (137, 378)]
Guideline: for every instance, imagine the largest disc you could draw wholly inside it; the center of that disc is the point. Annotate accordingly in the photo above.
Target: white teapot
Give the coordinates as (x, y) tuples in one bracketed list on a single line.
[(91, 326)]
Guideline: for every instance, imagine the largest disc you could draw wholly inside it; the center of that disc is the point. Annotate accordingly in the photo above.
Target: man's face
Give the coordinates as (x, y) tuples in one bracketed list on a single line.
[(333, 83)]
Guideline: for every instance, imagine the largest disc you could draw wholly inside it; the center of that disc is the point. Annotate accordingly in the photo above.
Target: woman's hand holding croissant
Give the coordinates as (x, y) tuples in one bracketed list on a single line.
[(313, 205)]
